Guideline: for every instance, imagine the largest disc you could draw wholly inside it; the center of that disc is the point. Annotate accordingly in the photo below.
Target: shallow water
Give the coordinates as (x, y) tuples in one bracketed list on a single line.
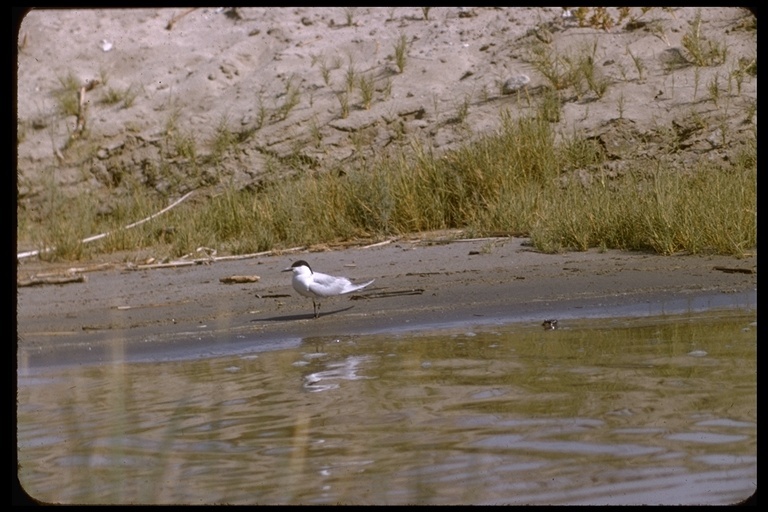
[(617, 411)]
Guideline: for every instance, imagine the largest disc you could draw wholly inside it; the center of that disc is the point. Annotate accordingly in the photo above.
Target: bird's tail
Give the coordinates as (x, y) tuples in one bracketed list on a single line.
[(357, 287)]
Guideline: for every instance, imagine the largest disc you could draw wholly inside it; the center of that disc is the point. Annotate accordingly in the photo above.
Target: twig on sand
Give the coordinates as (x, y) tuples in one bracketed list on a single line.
[(735, 270), (38, 280), (385, 242), (433, 241), (205, 261), (239, 279), (176, 18), (82, 107), (394, 293)]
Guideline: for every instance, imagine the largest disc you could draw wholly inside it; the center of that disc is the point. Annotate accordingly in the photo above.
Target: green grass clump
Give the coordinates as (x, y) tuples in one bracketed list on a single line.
[(666, 212), (67, 98), (517, 180), (575, 69), (401, 53), (702, 51), (292, 97), (127, 96), (508, 182), (66, 222), (367, 89)]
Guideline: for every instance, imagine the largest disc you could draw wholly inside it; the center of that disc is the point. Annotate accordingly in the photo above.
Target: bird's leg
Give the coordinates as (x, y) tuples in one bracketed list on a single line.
[(315, 306)]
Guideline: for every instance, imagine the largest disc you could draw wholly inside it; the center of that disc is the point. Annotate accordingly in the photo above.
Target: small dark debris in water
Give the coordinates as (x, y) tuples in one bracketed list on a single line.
[(549, 324), (733, 270)]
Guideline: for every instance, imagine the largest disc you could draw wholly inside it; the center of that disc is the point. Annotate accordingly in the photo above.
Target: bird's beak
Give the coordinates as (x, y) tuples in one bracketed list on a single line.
[(289, 269)]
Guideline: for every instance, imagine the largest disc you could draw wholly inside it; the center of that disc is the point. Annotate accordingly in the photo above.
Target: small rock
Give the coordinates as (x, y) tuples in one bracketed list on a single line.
[(515, 84), (39, 123), (229, 69), (716, 138), (673, 59)]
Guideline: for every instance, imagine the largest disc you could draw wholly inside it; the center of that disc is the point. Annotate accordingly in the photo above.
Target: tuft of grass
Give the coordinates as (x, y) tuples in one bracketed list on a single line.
[(261, 112), (462, 109), (343, 98), (596, 81), (639, 65), (179, 143), (401, 53), (224, 139), (367, 88), (315, 132), (387, 89), (702, 51), (112, 96), (349, 15), (714, 89), (350, 77), (550, 106), (596, 17), (292, 97), (550, 65), (325, 71), (743, 68), (67, 96), (569, 69), (184, 145), (127, 96)]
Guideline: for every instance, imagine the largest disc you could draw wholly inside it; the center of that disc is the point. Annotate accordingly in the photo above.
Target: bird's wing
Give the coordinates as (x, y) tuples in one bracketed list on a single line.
[(327, 286)]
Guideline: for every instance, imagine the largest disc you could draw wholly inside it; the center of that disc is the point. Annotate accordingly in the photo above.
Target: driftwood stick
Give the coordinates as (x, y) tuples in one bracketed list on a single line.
[(205, 261), (385, 242), (38, 280), (81, 107), (239, 279), (735, 270)]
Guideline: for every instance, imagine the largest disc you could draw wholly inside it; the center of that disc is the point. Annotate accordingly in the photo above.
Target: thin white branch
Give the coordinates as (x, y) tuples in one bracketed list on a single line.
[(102, 235)]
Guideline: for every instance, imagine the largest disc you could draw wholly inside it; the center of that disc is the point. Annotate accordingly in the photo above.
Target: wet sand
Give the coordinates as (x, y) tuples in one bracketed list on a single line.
[(184, 312)]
